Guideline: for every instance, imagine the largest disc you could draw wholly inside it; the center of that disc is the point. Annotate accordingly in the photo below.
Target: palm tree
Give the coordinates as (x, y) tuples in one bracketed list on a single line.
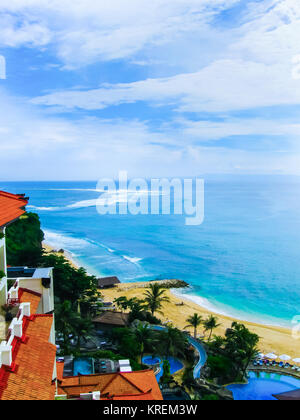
[(65, 317), (122, 302), (241, 346), (143, 335), (194, 321), (210, 324), (218, 342), (154, 298), (82, 329), (171, 342)]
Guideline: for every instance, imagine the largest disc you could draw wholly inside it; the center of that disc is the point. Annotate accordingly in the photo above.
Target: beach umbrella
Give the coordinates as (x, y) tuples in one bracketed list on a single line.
[(284, 357), (271, 356), (297, 360), (261, 356)]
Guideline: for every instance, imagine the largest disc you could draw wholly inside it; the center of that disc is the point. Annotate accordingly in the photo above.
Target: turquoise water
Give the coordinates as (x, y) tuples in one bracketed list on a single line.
[(83, 366), (243, 260), (263, 386), (175, 364)]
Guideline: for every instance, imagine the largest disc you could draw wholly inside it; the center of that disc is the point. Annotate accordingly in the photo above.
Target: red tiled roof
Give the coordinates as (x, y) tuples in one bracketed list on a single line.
[(11, 207), (34, 359), (140, 385), (33, 298)]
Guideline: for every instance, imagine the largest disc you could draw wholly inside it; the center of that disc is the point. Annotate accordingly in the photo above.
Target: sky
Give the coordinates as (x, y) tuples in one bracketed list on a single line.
[(157, 88)]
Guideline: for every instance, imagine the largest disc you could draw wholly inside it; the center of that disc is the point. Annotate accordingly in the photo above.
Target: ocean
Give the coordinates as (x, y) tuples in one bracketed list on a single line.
[(244, 260)]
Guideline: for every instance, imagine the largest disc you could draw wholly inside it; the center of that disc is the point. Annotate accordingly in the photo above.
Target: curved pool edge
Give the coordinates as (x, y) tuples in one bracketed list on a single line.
[(263, 386)]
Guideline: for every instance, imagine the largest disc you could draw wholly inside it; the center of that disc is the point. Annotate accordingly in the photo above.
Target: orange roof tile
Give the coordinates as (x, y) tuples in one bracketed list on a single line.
[(11, 207), (34, 359), (31, 297), (129, 386), (60, 370)]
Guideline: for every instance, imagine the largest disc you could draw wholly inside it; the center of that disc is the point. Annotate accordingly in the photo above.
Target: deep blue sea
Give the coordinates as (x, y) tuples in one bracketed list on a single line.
[(244, 260)]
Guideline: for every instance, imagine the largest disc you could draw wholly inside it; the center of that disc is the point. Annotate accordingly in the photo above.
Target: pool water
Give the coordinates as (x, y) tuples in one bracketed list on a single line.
[(175, 364), (262, 386), (151, 360), (83, 366)]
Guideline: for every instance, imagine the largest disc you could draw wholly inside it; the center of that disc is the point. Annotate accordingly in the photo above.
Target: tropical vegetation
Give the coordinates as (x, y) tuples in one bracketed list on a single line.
[(194, 321), (155, 297), (210, 324), (76, 296), (78, 301)]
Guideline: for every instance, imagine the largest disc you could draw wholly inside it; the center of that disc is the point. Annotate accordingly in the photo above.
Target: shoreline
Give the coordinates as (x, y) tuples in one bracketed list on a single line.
[(218, 312), (273, 338), (49, 249)]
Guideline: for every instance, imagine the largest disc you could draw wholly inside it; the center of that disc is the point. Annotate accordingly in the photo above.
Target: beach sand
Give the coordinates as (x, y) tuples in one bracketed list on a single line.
[(272, 338), (48, 249)]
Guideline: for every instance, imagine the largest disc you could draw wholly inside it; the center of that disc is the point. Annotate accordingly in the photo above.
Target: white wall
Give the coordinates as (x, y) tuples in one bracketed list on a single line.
[(3, 267), (35, 284), (2, 252)]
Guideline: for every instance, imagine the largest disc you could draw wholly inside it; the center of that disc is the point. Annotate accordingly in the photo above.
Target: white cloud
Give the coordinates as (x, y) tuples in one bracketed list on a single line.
[(38, 146), (219, 67), (271, 34), (85, 31), (254, 69), (210, 130), (43, 147), (222, 86)]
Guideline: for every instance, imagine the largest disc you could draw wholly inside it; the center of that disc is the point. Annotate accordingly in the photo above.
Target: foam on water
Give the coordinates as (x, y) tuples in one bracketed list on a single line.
[(132, 260), (59, 240)]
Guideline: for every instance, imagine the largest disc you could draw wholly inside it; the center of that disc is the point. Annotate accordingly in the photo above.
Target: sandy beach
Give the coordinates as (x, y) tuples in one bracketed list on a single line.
[(48, 249), (272, 338)]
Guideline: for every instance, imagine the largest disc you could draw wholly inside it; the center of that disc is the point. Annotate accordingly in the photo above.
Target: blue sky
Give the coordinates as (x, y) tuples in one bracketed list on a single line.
[(160, 88)]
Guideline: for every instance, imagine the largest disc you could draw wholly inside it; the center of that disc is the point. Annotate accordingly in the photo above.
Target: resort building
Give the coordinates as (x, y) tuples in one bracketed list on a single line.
[(134, 386), (28, 366), (108, 282), (27, 344), (11, 208), (110, 319)]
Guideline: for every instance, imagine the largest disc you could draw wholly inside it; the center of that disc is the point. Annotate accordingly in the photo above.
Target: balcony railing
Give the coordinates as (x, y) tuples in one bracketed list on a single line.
[(13, 302)]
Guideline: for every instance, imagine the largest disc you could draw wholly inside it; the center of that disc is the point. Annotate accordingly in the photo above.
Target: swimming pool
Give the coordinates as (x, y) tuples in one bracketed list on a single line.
[(262, 386), (151, 361), (83, 366), (175, 364), (199, 349)]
